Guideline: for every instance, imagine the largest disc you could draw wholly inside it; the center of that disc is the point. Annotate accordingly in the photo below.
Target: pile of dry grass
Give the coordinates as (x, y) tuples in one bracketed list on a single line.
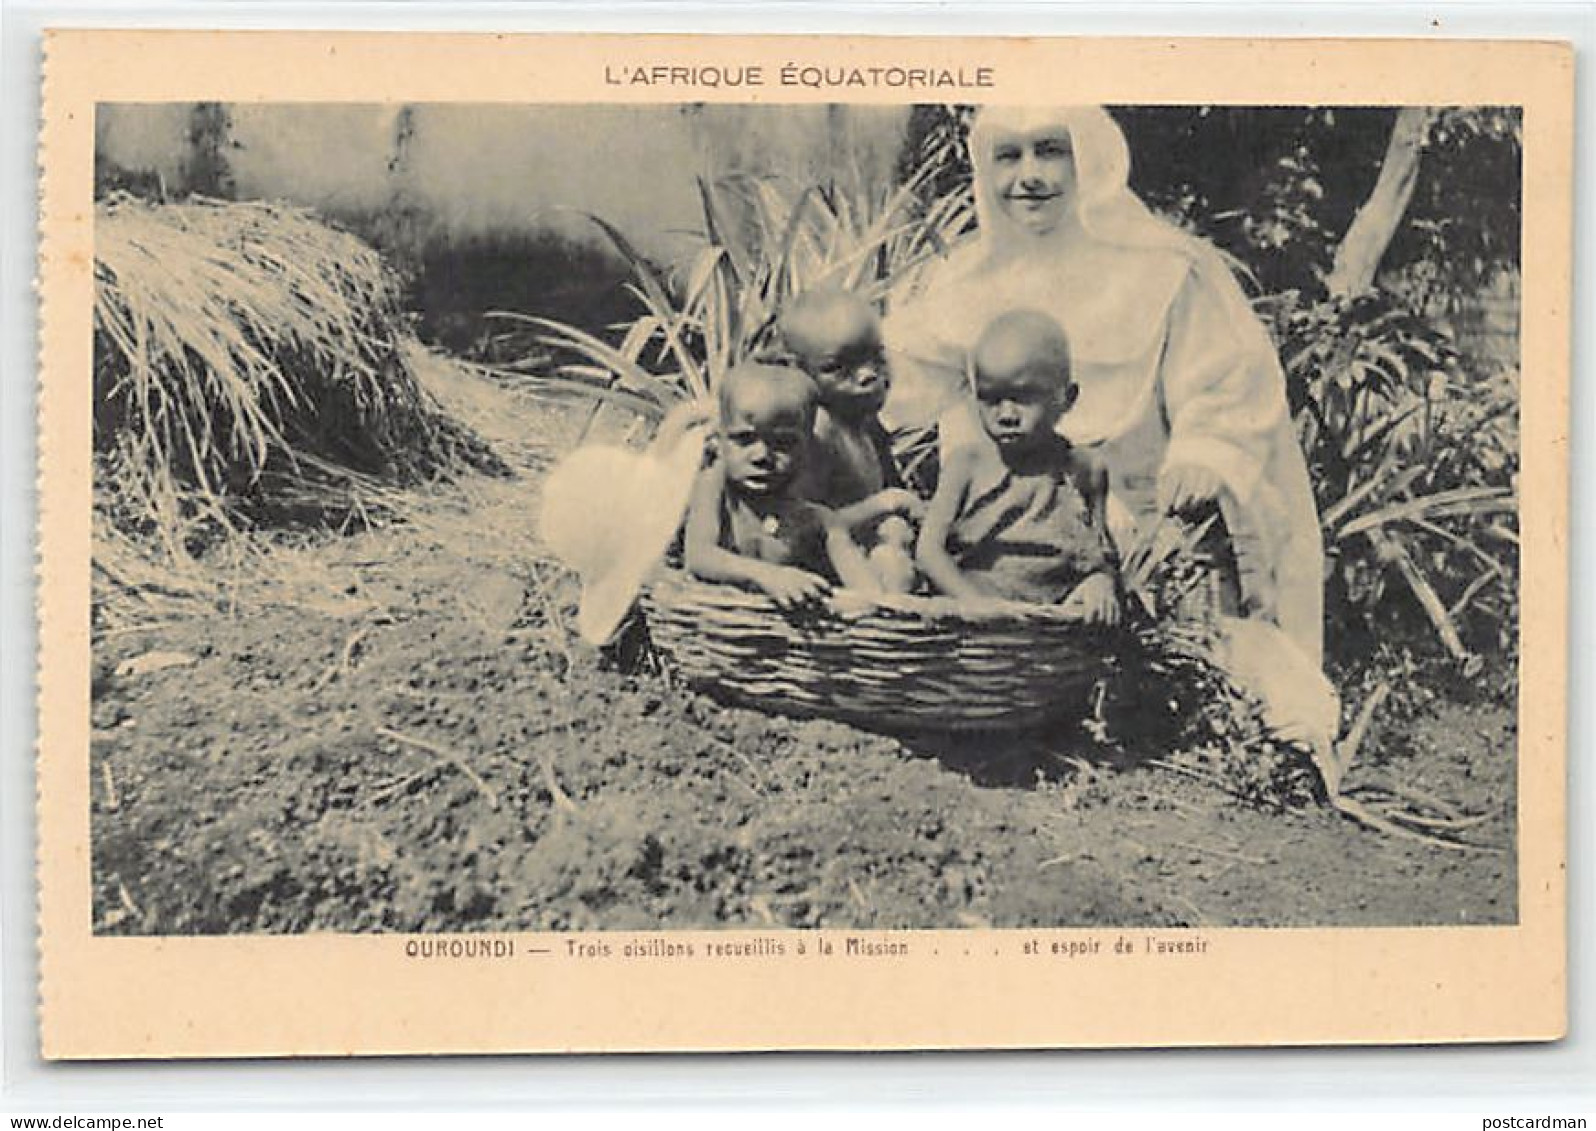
[(251, 366)]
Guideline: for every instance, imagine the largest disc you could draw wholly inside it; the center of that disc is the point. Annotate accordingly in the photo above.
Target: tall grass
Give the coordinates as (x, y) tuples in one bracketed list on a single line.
[(250, 363)]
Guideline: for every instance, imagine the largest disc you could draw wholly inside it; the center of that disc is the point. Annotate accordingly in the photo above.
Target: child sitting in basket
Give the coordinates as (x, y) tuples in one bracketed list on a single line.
[(835, 337), (1022, 518), (749, 521)]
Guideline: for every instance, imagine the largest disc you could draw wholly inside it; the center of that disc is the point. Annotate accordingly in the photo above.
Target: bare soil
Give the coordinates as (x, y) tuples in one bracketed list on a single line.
[(404, 738)]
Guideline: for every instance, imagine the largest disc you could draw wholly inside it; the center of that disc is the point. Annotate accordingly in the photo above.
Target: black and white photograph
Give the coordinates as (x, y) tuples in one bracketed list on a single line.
[(592, 517)]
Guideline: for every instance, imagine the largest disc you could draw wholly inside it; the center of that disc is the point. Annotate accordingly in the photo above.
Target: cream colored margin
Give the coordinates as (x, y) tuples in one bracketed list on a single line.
[(191, 997)]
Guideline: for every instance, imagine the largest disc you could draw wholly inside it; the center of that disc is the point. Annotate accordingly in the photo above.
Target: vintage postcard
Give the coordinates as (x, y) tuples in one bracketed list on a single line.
[(603, 543)]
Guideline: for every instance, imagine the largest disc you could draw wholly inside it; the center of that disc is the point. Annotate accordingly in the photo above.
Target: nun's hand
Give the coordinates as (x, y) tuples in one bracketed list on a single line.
[(1093, 601), (1185, 487)]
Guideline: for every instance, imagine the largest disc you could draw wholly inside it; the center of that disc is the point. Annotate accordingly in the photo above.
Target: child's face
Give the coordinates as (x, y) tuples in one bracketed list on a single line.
[(841, 351), (764, 434), (1021, 402)]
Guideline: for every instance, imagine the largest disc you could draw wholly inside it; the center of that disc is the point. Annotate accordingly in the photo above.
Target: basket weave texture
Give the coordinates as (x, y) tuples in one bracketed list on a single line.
[(895, 664)]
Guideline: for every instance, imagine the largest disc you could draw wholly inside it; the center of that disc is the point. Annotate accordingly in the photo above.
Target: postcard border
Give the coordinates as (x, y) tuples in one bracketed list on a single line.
[(115, 997)]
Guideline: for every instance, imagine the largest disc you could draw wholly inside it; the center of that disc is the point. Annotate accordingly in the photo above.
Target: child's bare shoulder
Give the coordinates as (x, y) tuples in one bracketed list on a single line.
[(963, 460)]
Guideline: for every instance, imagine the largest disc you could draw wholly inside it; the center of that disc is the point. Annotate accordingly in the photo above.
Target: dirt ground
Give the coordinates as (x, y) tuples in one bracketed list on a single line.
[(394, 732)]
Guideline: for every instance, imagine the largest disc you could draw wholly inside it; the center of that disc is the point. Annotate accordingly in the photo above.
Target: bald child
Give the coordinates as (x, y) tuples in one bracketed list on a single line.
[(1021, 518), (835, 337), (748, 522)]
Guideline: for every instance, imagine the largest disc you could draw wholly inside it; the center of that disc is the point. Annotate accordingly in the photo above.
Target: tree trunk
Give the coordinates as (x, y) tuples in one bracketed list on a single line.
[(1376, 222)]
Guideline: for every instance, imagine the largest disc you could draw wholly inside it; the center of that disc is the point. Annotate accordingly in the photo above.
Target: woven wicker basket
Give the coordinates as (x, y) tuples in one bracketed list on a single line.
[(899, 664)]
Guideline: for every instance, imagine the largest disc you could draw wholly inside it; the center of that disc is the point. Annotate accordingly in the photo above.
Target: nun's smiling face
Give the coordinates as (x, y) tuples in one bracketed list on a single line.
[(1033, 175)]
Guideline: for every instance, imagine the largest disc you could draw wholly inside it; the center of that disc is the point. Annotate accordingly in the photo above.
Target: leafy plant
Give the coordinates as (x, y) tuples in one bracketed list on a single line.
[(1413, 460)]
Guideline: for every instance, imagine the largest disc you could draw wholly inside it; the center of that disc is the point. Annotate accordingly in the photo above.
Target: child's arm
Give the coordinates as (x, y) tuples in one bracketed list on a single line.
[(847, 559), (1096, 599), (873, 508), (931, 551), (707, 559)]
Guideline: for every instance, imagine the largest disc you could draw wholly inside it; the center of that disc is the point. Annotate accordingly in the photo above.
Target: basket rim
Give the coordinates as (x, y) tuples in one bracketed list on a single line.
[(853, 602)]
